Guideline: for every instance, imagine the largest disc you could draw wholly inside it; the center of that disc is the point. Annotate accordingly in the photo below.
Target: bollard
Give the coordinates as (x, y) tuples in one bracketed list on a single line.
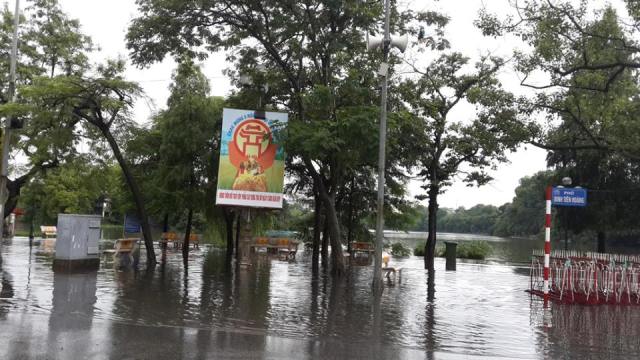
[(450, 255)]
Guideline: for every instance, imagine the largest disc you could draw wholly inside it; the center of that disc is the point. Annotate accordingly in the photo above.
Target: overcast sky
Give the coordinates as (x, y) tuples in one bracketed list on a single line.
[(106, 22)]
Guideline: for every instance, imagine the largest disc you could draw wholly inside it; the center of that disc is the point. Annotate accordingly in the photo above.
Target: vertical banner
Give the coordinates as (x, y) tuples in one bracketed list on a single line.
[(131, 224), (251, 170)]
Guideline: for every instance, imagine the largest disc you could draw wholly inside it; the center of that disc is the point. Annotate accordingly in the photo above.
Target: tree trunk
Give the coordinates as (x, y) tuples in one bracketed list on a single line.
[(337, 257), (337, 265), (430, 246), (229, 217), (602, 238), (317, 217), (165, 223), (15, 186), (325, 242), (350, 220), (164, 244), (135, 192), (187, 234), (238, 228)]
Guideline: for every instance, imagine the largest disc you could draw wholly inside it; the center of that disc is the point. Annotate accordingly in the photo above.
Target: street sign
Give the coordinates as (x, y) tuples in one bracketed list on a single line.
[(568, 196)]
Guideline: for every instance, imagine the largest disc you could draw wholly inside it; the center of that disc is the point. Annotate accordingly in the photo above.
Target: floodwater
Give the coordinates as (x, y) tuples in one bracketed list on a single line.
[(276, 310)]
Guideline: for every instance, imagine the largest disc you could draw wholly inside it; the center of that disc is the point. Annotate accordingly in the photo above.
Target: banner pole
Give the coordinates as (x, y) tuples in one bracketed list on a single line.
[(547, 245)]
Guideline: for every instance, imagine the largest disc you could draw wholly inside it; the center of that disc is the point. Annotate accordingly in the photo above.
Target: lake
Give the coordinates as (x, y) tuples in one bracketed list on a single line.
[(282, 310)]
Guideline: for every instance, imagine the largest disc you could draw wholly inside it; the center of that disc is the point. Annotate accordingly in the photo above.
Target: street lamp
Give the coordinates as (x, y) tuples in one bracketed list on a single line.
[(385, 42), (248, 80)]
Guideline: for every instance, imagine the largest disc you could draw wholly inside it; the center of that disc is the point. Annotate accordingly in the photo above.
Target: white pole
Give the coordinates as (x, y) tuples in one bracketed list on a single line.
[(377, 271)]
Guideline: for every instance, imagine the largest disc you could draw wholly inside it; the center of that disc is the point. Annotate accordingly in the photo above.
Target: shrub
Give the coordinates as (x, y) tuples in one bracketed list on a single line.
[(419, 250), (477, 250), (397, 249)]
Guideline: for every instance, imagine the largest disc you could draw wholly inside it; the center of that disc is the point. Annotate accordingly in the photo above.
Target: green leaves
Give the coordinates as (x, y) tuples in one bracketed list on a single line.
[(448, 142), (178, 154)]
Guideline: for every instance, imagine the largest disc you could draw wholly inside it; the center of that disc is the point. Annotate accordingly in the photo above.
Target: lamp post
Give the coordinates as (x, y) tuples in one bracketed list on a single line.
[(248, 81), (386, 42), (6, 138)]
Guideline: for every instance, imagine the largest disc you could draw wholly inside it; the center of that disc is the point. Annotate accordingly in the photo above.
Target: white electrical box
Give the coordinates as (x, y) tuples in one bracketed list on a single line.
[(78, 237)]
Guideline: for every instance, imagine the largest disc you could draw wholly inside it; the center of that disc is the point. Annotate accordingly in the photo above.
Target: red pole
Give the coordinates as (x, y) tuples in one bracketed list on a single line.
[(547, 246)]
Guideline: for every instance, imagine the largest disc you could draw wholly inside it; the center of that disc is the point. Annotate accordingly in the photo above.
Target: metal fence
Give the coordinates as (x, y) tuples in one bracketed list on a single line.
[(587, 277)]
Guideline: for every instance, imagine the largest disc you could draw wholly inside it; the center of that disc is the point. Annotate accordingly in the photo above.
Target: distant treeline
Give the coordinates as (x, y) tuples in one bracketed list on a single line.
[(524, 216)]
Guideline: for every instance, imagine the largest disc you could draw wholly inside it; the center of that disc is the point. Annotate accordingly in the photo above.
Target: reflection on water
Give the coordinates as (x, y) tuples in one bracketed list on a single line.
[(272, 307), (592, 332)]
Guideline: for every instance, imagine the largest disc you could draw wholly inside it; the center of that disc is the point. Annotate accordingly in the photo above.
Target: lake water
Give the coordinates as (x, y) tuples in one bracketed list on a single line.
[(277, 309), (511, 250)]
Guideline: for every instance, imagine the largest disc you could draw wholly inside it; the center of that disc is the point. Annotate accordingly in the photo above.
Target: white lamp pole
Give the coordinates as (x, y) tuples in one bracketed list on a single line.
[(386, 43), (377, 270)]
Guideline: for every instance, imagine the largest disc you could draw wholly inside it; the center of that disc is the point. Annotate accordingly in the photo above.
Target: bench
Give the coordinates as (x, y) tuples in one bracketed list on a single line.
[(124, 250), (388, 271), (49, 231), (177, 239), (284, 248), (125, 246), (194, 239), (361, 253), (169, 236), (359, 249)]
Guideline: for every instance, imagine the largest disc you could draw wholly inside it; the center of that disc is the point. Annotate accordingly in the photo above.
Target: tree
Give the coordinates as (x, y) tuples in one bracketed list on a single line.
[(73, 187), (49, 42), (313, 53), (604, 117), (189, 129), (567, 43), (96, 108), (479, 219), (525, 214), (448, 144), (591, 60)]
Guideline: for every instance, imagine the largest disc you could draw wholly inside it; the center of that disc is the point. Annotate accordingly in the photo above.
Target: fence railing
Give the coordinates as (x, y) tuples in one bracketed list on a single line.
[(588, 278)]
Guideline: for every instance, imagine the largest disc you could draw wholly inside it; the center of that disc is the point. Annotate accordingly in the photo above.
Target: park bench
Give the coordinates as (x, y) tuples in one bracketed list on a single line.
[(194, 239), (388, 271), (178, 239), (48, 231), (284, 248), (361, 253), (125, 246), (169, 236), (361, 249), (122, 249)]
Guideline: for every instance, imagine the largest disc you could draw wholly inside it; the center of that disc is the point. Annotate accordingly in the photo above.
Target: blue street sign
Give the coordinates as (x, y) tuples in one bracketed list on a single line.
[(568, 196), (131, 224)]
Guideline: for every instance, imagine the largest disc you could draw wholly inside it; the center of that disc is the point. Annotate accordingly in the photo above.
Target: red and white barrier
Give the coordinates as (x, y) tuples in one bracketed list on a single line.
[(586, 278)]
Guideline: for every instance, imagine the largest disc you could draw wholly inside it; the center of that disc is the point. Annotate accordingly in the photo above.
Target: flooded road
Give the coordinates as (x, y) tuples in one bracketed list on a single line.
[(281, 310)]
